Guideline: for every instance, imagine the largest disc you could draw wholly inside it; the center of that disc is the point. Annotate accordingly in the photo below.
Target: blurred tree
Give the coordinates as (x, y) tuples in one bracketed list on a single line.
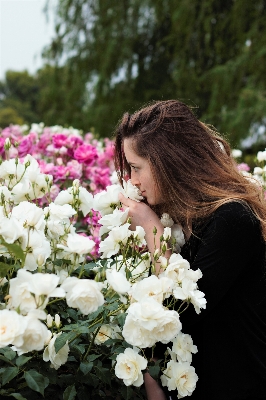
[(9, 116), (52, 96), (208, 53), (18, 98), (61, 97)]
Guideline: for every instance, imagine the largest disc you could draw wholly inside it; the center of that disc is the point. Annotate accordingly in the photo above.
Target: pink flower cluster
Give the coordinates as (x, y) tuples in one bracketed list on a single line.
[(66, 155), (63, 153)]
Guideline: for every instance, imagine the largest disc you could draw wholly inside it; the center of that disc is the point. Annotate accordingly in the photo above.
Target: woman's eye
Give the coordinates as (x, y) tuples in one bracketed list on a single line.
[(134, 168)]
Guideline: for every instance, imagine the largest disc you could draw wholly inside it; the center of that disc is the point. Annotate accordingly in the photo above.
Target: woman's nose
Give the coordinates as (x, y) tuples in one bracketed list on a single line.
[(134, 179)]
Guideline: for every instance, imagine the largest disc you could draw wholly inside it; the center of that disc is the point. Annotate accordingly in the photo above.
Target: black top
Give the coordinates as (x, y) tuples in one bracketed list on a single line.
[(231, 333)]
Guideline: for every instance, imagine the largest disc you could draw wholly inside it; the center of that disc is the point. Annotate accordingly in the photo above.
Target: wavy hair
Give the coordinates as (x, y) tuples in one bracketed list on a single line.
[(190, 162)]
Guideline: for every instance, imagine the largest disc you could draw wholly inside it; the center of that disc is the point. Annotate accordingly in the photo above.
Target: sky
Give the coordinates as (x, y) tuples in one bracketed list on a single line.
[(24, 31)]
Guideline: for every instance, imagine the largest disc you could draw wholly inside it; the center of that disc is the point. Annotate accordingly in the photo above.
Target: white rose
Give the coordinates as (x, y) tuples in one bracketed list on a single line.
[(11, 229), (177, 235), (166, 220), (59, 358), (105, 333), (261, 156), (258, 171), (11, 167), (176, 269), (46, 284), (128, 367), (83, 294), (169, 326), (131, 191), (109, 221), (29, 214), (180, 376), (12, 327), (188, 291), (118, 281), (5, 193), (60, 212), (20, 292), (77, 244), (64, 197), (111, 245), (148, 287), (86, 201), (38, 248), (139, 235), (148, 322), (105, 200), (183, 347), (236, 153), (34, 336), (166, 233)]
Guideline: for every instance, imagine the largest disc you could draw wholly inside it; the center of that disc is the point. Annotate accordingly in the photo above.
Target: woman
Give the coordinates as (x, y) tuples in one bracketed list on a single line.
[(185, 169)]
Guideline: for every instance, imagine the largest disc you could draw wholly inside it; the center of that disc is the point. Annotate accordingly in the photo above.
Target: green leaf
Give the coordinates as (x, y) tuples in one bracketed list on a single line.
[(18, 396), (5, 359), (62, 339), (127, 392), (21, 360), (103, 374), (36, 381), (9, 374), (16, 250), (86, 367), (4, 268), (154, 371), (80, 348), (121, 319), (92, 357), (10, 354), (70, 393)]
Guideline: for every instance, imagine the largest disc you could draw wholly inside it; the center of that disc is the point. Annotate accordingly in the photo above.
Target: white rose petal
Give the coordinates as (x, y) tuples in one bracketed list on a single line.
[(107, 199), (118, 281), (128, 367), (83, 294), (180, 376), (131, 191), (105, 333), (34, 336), (183, 347), (77, 244), (59, 358), (12, 327), (109, 221)]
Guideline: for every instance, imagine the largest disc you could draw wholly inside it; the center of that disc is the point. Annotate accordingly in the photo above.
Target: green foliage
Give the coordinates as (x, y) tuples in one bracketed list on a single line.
[(114, 56), (209, 54)]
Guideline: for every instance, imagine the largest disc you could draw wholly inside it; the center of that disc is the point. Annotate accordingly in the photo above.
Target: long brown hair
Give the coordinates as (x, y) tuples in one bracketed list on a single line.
[(190, 162)]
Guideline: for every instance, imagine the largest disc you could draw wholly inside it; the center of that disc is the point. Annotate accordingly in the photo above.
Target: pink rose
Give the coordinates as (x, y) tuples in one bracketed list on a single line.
[(59, 140), (86, 154)]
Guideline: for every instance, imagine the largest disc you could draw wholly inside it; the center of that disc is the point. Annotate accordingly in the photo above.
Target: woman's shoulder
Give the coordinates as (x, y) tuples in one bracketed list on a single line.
[(234, 217), (235, 211)]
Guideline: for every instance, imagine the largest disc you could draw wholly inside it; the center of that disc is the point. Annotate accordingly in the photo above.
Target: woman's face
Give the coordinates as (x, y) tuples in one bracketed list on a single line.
[(141, 174)]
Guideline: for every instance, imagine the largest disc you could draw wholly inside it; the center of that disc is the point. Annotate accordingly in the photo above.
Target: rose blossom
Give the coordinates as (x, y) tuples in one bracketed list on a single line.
[(34, 336), (183, 347), (180, 376), (59, 358), (83, 294), (118, 281), (86, 154), (12, 327), (128, 367)]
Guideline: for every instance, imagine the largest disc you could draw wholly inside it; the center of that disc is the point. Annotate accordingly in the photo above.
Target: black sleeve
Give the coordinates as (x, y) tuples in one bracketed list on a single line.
[(229, 246)]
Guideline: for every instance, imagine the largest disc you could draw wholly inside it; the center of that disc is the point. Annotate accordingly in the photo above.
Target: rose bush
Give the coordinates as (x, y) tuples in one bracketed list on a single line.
[(78, 306)]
